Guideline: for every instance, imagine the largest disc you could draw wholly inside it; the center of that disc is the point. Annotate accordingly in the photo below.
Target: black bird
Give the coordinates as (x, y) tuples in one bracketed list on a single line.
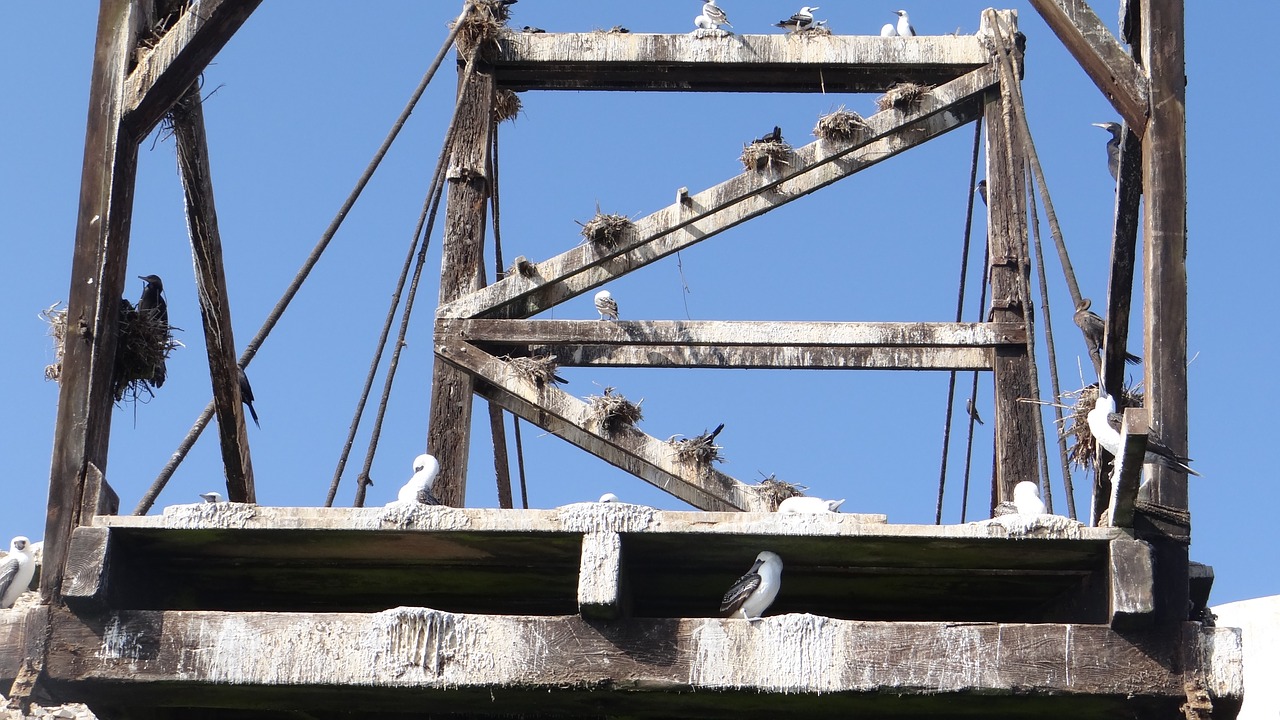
[(246, 395), (1094, 328), (982, 191), (775, 136), (153, 303), (532, 30), (1113, 147)]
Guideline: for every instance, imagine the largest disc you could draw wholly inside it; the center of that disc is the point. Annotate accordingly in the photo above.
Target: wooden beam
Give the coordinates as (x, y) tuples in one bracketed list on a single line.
[(211, 287), (87, 568), (723, 206), (600, 579), (1128, 468), (449, 433), (1131, 577), (1106, 62), (1124, 243), (22, 634), (762, 357), (169, 69), (741, 63), (85, 397), (557, 412), (807, 664)]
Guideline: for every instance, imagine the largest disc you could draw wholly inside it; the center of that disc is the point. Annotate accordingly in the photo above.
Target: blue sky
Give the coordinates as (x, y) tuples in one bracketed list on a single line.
[(298, 102)]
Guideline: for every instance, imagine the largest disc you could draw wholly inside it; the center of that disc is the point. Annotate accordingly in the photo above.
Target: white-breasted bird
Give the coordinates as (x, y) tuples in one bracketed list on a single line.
[(1104, 425), (888, 30), (211, 497), (802, 504), (16, 570), (755, 591), (608, 498), (1113, 146), (715, 15), (802, 20), (606, 305), (904, 27), (418, 489), (1026, 501)]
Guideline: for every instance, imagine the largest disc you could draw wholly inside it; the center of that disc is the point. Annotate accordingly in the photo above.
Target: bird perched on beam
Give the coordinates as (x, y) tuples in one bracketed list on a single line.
[(211, 497), (16, 570), (773, 136), (888, 30), (418, 489), (1113, 147), (1104, 424), (904, 27), (755, 591), (801, 504), (802, 20), (246, 395), (606, 305), (153, 304), (1026, 501), (1094, 328), (714, 15)]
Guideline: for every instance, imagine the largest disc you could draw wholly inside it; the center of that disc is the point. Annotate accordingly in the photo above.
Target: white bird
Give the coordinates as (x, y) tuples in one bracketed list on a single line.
[(418, 489), (1104, 424), (712, 12), (16, 570), (1026, 501), (802, 20), (888, 31), (755, 591), (211, 497), (608, 498), (606, 305), (904, 28), (802, 504), (702, 22)]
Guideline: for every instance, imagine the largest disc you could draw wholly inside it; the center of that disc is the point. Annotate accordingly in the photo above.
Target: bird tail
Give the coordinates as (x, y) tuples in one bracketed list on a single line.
[(1132, 359), (253, 414)]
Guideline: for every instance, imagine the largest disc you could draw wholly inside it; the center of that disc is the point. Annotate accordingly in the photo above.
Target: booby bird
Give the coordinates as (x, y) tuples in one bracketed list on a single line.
[(16, 570), (1094, 328), (904, 27), (606, 305), (1026, 501), (715, 15), (982, 191), (418, 489), (888, 31), (211, 497), (755, 591), (246, 395), (802, 20), (153, 303), (1104, 425), (973, 411), (802, 504), (608, 498), (1113, 147)]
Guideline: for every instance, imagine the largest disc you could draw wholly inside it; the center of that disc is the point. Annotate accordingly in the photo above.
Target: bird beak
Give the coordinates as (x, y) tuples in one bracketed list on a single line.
[(1101, 125)]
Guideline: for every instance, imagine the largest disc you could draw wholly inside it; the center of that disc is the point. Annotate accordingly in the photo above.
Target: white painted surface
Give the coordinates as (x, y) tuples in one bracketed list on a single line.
[(1259, 619)]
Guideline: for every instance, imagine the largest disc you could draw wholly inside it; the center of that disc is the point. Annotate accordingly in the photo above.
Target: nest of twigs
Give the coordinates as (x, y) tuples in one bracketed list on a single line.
[(141, 350), (482, 25), (903, 96), (766, 154), (611, 412), (506, 105), (1084, 453), (522, 267), (57, 319), (538, 369), (607, 231), (774, 491), (701, 449), (841, 125)]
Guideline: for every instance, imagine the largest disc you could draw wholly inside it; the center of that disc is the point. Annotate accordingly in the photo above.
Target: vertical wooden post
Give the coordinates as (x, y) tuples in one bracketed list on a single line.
[(448, 437), (1165, 272), (1017, 458), (211, 280), (97, 283)]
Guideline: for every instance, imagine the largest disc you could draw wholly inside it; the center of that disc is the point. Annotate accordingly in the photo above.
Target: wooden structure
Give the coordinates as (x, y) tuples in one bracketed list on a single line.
[(235, 610)]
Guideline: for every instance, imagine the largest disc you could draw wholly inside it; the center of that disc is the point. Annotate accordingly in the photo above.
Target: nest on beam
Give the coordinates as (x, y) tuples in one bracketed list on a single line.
[(606, 231), (537, 369), (701, 450), (842, 125), (482, 25), (143, 346), (612, 412), (506, 105), (1084, 452), (773, 491), (903, 97), (766, 155)]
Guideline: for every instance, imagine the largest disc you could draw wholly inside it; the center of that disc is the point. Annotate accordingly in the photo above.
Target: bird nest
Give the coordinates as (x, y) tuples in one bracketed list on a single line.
[(841, 125), (903, 96), (522, 267), (143, 345), (607, 231), (764, 155), (506, 105), (482, 25), (538, 369), (1084, 453), (773, 491), (701, 449), (57, 319), (611, 412)]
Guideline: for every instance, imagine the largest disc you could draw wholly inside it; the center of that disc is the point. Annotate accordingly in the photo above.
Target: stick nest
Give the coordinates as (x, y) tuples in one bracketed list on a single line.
[(1084, 453), (841, 125), (903, 96), (506, 105), (482, 25), (57, 319), (701, 449), (611, 412), (607, 231), (774, 491), (765, 155), (538, 369), (142, 348), (522, 267)]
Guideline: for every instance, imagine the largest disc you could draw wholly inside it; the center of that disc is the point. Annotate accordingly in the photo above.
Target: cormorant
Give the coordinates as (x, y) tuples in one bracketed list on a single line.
[(246, 394), (1113, 147), (154, 304), (1094, 328)]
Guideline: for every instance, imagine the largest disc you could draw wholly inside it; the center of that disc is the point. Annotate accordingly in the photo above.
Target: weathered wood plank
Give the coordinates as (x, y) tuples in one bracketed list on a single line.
[(1128, 468), (170, 68), (1105, 61), (1132, 580), (1124, 243), (87, 559), (630, 449), (723, 206), (799, 358), (211, 284), (778, 662), (600, 579), (730, 333), (739, 63), (85, 397), (449, 431), (22, 634)]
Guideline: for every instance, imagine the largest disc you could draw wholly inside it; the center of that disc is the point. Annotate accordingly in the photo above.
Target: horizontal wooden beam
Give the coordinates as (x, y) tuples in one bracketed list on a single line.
[(164, 73), (720, 333), (723, 206), (737, 63), (809, 664), (765, 357)]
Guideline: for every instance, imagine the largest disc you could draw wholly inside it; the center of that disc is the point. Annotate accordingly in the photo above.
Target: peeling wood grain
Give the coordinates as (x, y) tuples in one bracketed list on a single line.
[(1127, 473), (1132, 582), (600, 579)]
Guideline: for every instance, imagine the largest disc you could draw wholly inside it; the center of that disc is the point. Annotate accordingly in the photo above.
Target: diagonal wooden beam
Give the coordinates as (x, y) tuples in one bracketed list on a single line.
[(559, 413), (164, 74), (723, 206), (1101, 55), (1128, 468)]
